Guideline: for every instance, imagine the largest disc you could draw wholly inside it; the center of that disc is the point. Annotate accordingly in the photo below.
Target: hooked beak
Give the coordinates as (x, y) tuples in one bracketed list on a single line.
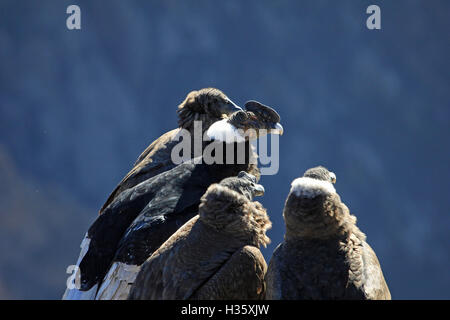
[(333, 177), (229, 108), (258, 190), (277, 128)]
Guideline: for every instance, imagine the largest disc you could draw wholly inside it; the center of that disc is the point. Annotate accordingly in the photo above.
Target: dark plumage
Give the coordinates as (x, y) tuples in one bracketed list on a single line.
[(206, 105), (215, 255), (141, 218), (324, 255)]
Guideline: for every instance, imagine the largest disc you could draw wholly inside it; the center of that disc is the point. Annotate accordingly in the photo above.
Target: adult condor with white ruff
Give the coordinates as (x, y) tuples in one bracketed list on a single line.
[(141, 218)]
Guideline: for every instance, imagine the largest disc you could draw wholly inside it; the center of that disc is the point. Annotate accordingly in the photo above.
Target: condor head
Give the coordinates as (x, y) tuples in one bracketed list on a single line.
[(207, 105), (255, 121)]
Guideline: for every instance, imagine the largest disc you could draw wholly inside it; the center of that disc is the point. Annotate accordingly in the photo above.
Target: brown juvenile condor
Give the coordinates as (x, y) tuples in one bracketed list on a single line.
[(324, 255), (215, 255), (143, 217)]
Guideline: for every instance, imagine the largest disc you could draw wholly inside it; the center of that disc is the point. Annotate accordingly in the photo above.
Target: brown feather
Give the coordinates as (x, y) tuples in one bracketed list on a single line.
[(215, 255), (324, 254)]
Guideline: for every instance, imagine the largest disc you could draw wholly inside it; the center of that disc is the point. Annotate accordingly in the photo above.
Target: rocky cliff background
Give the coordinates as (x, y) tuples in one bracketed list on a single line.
[(78, 107)]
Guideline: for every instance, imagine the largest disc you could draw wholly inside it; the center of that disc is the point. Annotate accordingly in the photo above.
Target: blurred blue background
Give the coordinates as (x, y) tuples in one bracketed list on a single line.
[(78, 107)]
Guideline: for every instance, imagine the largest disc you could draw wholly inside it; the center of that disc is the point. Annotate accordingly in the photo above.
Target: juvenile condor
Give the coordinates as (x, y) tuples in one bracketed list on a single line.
[(324, 255), (207, 105), (141, 218), (215, 255)]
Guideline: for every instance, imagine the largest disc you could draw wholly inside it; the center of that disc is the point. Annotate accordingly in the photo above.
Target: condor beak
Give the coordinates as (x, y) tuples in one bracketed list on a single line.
[(258, 190), (333, 177), (229, 108), (277, 128)]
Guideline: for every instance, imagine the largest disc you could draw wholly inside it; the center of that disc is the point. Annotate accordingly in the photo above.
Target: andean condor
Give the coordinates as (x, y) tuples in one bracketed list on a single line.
[(215, 255), (141, 218), (207, 105), (324, 255)]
